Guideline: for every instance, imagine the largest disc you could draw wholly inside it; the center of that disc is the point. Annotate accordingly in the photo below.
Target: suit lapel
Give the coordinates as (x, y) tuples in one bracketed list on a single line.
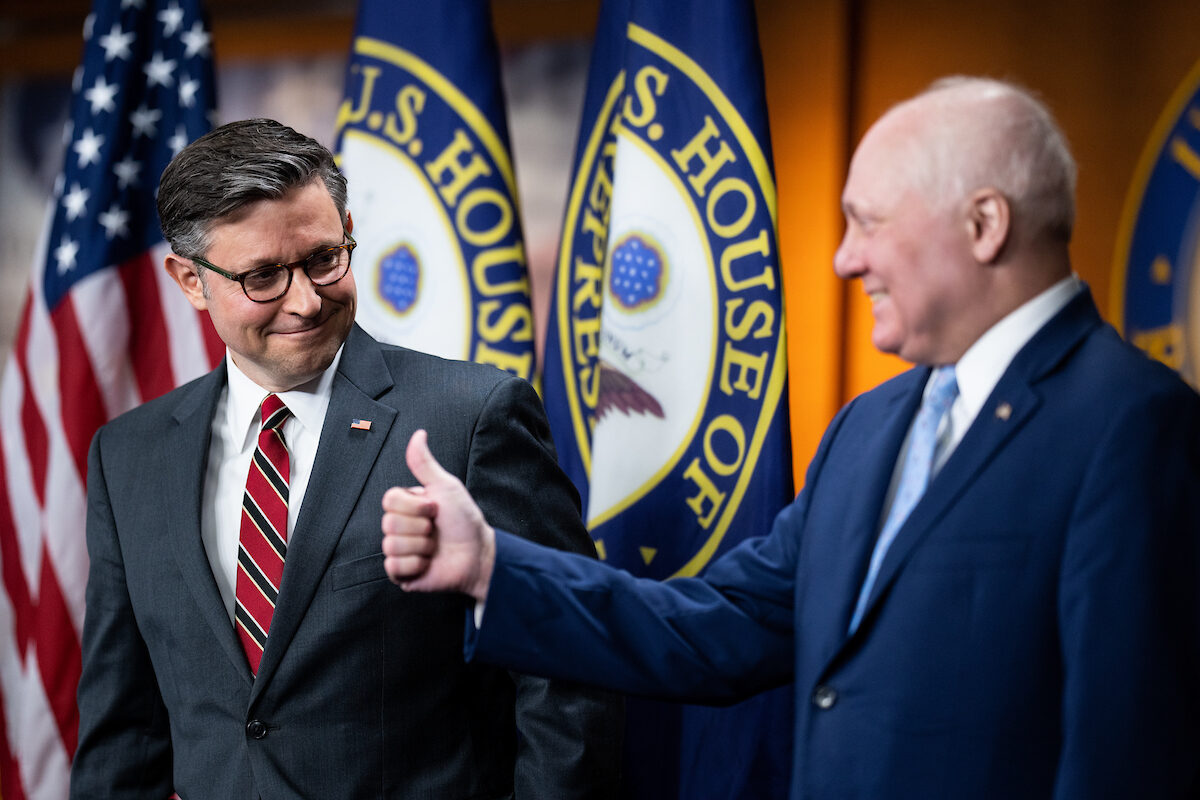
[(1012, 403), (343, 462), (987, 434), (184, 461)]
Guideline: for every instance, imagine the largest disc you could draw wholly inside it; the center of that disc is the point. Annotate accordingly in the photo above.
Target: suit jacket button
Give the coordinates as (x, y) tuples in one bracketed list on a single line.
[(824, 697), (257, 729)]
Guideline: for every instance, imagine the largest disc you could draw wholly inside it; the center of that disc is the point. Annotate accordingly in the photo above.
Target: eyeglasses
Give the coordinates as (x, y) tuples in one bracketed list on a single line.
[(264, 284)]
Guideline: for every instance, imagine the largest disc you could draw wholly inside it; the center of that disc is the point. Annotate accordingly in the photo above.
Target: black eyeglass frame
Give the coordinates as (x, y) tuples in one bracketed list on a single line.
[(240, 277)]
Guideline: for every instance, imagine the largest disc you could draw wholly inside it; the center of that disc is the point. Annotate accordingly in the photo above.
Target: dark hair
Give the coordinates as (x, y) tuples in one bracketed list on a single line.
[(233, 166)]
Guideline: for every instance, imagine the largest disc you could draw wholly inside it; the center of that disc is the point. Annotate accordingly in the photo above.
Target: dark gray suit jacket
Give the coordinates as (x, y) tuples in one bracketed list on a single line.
[(362, 691)]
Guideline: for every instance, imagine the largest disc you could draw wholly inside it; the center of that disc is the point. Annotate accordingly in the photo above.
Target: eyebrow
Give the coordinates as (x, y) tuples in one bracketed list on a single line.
[(319, 248), (853, 211), (864, 213)]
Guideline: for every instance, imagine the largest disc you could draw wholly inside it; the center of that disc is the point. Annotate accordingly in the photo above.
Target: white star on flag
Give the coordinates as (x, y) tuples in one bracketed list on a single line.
[(195, 41), (145, 121), (158, 71), (116, 44), (178, 141), (128, 171), (187, 91), (101, 95), (76, 201), (171, 18), (115, 221), (65, 253), (88, 148)]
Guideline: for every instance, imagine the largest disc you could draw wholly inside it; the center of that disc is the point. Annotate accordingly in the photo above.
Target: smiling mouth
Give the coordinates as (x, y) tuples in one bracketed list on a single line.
[(316, 326)]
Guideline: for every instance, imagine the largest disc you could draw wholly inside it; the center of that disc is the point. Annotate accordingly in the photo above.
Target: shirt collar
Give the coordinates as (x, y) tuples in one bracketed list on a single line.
[(307, 402), (980, 368)]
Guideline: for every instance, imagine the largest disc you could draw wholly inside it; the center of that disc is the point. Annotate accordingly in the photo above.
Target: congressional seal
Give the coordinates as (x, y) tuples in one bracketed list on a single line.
[(670, 324), (1156, 274)]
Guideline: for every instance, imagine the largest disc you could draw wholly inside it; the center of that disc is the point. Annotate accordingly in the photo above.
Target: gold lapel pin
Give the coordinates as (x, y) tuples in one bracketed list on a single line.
[(1003, 411)]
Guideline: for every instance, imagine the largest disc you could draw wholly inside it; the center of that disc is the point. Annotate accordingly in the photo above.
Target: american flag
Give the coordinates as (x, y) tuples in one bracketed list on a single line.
[(104, 328)]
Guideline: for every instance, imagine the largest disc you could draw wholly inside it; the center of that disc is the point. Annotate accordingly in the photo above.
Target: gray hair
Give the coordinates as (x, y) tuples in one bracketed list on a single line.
[(233, 166), (1007, 140)]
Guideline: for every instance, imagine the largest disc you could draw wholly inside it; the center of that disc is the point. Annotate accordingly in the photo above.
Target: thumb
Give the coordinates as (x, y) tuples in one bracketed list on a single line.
[(424, 466)]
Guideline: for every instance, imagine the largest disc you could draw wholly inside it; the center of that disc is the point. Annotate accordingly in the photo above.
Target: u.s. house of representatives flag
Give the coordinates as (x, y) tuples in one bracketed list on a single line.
[(665, 375), (423, 140), (103, 329)]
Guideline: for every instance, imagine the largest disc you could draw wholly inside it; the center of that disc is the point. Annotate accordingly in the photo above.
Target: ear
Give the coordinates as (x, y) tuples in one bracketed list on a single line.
[(989, 224), (349, 222), (186, 274)]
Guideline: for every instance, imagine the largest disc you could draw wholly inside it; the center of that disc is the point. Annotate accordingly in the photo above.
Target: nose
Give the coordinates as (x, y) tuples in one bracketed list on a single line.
[(301, 297), (848, 261)]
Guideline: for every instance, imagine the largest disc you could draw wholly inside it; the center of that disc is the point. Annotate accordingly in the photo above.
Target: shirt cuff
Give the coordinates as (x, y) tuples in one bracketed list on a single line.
[(478, 614)]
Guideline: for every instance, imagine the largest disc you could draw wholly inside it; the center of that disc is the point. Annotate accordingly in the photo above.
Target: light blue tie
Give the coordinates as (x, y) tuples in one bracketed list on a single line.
[(914, 476)]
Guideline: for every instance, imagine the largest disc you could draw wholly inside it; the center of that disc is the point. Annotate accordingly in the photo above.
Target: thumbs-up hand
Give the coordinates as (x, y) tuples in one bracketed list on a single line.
[(434, 536)]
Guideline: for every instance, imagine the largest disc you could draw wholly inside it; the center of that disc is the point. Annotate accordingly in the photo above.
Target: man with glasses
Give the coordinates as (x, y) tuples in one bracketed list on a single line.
[(241, 637)]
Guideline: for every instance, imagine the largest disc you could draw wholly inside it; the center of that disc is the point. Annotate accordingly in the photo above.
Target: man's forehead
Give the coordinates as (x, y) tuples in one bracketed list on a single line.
[(280, 229), (874, 171)]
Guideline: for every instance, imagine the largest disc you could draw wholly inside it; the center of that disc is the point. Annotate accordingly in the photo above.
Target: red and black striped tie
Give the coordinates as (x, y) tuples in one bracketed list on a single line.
[(263, 540)]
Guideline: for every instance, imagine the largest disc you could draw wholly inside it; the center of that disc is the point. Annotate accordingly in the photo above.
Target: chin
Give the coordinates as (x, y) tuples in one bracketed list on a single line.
[(887, 346)]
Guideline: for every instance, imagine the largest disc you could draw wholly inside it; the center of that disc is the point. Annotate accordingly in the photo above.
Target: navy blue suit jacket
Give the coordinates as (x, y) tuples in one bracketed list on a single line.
[(1033, 632)]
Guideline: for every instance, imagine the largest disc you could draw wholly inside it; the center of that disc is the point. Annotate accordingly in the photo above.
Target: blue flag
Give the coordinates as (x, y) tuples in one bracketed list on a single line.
[(665, 376), (423, 140)]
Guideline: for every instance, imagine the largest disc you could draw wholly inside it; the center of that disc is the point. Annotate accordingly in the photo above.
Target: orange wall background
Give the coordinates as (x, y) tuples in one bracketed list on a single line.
[(1107, 70)]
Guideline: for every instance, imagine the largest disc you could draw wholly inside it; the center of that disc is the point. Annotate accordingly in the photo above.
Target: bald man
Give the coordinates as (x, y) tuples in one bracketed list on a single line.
[(988, 585)]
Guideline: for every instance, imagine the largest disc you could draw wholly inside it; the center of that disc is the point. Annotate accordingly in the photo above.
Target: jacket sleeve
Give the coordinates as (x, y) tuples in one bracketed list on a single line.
[(124, 743), (569, 736), (716, 639)]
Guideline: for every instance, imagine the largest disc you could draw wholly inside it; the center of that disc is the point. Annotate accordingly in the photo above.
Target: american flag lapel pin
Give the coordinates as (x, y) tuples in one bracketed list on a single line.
[(360, 424)]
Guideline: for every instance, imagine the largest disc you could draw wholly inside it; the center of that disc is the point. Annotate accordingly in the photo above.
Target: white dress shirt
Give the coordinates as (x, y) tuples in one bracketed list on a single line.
[(980, 369), (235, 427)]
